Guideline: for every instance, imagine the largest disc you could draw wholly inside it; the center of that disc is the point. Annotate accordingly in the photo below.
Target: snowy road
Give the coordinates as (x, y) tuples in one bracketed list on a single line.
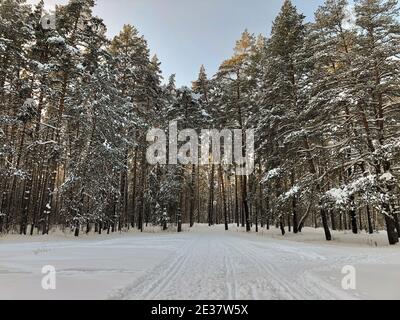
[(196, 265)]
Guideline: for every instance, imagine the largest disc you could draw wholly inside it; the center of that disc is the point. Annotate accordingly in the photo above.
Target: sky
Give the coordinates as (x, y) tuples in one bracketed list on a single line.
[(188, 33)]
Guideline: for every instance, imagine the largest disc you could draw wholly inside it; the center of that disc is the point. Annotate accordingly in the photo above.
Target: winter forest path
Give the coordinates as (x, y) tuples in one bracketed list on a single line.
[(203, 264), (219, 265), (225, 266)]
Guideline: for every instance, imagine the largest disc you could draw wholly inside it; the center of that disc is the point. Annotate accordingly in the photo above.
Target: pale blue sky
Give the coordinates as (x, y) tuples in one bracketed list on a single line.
[(187, 33)]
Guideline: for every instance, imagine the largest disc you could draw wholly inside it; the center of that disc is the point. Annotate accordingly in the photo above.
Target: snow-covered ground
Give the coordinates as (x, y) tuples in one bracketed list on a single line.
[(201, 264)]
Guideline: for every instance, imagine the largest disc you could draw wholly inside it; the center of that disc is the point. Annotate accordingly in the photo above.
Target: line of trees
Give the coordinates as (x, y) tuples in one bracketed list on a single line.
[(322, 96)]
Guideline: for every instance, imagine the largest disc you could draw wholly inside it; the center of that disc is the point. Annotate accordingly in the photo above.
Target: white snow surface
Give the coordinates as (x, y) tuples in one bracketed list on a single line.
[(203, 263)]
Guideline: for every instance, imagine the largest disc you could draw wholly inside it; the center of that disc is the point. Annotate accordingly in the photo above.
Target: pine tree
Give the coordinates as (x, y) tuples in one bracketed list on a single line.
[(233, 99), (377, 82)]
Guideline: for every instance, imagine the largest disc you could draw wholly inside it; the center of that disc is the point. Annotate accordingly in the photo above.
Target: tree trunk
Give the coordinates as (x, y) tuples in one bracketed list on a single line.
[(211, 197), (333, 221), (221, 176), (236, 201), (192, 196), (267, 214), (246, 204), (369, 219), (393, 236), (179, 214), (294, 205), (282, 225), (134, 184), (198, 196), (141, 208), (77, 226), (353, 215), (328, 235)]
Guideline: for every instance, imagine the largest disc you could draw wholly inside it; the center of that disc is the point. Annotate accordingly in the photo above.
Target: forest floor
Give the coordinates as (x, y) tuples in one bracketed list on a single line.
[(205, 263)]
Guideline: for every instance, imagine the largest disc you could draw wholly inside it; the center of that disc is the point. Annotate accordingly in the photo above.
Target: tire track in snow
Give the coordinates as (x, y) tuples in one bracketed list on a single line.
[(154, 279), (300, 284), (235, 266), (269, 281), (231, 284), (224, 266), (192, 274)]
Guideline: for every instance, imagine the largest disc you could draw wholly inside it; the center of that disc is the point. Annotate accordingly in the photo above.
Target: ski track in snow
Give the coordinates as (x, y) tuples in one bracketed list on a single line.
[(201, 265), (229, 266)]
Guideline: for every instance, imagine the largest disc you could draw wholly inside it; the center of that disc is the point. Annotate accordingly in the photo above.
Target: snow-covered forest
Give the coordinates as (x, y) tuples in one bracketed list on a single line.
[(323, 98)]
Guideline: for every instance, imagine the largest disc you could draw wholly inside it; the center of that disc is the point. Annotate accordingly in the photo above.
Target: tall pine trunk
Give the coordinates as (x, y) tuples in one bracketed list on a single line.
[(221, 176)]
